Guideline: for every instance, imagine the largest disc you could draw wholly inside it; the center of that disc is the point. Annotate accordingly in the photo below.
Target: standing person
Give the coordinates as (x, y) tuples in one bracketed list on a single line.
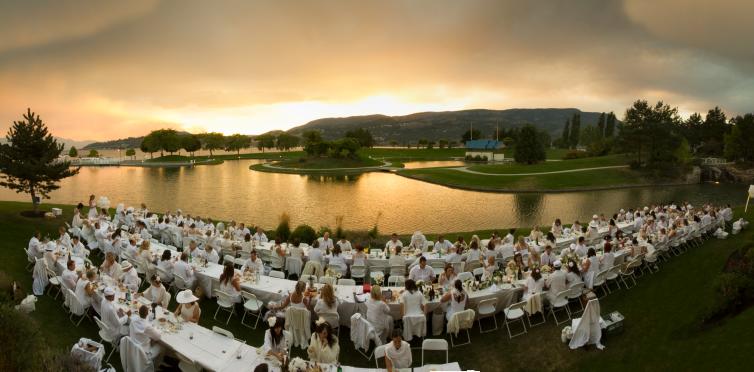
[(378, 313), (397, 352), (92, 214)]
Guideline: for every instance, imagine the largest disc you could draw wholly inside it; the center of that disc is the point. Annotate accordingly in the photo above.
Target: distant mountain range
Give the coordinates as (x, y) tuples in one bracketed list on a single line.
[(65, 141), (448, 125), (432, 126)]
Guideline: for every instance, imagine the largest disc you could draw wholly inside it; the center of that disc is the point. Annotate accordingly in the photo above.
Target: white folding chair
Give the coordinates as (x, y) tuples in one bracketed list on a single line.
[(574, 294), (251, 306), (105, 336), (305, 278), (224, 302), (464, 276), (561, 302), (327, 280), (379, 353), (435, 344), (396, 281), (515, 312), (293, 265), (223, 332), (398, 270), (346, 282), (358, 272), (486, 309), (465, 321), (277, 274)]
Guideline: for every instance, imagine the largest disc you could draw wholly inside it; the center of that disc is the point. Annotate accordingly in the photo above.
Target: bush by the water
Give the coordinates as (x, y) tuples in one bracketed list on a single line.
[(304, 234), (283, 231), (734, 288)]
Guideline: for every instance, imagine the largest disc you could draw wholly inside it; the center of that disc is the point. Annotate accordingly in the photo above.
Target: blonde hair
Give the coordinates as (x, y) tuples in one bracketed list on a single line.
[(328, 295), (376, 293), (144, 245)]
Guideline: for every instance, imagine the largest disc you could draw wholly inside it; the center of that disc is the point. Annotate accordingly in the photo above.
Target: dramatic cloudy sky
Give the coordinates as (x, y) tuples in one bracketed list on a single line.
[(107, 69)]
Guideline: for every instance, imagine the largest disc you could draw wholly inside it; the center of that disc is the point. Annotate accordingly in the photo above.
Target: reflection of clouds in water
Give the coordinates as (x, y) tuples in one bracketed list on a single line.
[(232, 191)]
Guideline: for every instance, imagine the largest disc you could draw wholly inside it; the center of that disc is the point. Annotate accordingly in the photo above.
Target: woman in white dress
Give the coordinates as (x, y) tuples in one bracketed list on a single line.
[(295, 299), (412, 301), (378, 314), (447, 277), (557, 228), (92, 215), (294, 250), (188, 308), (166, 264), (359, 257), (473, 253), (590, 267), (534, 284), (323, 346), (85, 288), (337, 259), (574, 274), (457, 299), (275, 344), (327, 306), (230, 283), (156, 292)]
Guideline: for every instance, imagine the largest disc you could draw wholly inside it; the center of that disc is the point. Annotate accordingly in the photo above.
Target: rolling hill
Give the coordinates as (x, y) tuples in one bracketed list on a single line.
[(446, 125)]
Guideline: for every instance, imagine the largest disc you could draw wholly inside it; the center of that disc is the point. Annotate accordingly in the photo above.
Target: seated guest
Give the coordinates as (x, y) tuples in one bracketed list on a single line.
[(344, 244), (253, 264), (77, 248), (260, 236), (453, 256), (412, 301), (489, 267), (460, 245), (193, 251), (491, 250), (521, 245), (166, 264), (509, 239), (534, 284), (422, 272), (325, 243), (144, 334), (337, 259), (275, 344), (129, 277), (608, 258), (110, 267), (69, 276), (456, 297), (184, 270), (473, 253), (327, 306), (131, 248), (188, 308), (574, 274), (323, 346), (576, 227), (359, 257), (145, 253), (378, 313), (535, 235), (447, 277), (210, 254), (114, 319), (156, 292), (315, 253), (581, 249), (557, 228), (393, 244), (85, 288), (556, 282), (397, 353), (230, 282), (442, 245), (547, 258)]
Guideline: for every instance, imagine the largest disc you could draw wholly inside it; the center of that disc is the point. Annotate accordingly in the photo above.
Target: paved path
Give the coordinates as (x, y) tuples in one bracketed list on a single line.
[(467, 170)]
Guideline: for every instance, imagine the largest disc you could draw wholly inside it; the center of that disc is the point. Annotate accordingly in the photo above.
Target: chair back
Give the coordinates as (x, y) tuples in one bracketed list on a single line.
[(488, 306), (228, 258), (435, 344), (293, 265), (327, 280), (74, 303), (396, 281), (333, 319), (377, 264), (346, 282), (164, 275), (133, 358), (223, 332), (479, 271), (180, 281), (224, 299), (397, 270), (464, 276), (437, 263), (379, 353), (277, 274), (305, 278), (358, 271), (298, 322), (471, 265), (104, 329)]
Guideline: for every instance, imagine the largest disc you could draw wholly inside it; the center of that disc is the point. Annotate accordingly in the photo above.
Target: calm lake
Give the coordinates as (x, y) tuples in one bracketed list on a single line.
[(232, 191)]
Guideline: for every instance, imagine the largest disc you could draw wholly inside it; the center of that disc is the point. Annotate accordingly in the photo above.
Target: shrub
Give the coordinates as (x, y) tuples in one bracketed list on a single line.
[(478, 158), (304, 234), (323, 229), (574, 154), (283, 231)]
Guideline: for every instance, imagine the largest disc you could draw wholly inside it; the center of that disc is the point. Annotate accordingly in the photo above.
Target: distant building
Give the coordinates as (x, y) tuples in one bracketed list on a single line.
[(491, 150)]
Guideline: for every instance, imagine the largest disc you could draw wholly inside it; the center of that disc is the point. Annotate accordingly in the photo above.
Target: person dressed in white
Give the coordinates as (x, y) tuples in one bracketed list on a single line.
[(156, 292), (253, 264), (185, 271), (144, 334), (392, 244), (608, 259), (452, 256), (556, 282), (77, 248), (534, 284), (230, 283), (260, 236), (315, 253), (323, 345), (35, 246), (188, 309), (457, 299), (325, 243), (591, 267), (422, 272), (69, 276), (378, 314), (85, 289), (397, 353), (418, 241), (114, 319), (210, 254), (130, 278), (166, 264), (344, 244), (412, 301), (580, 249), (547, 258), (275, 343), (337, 259), (442, 245)]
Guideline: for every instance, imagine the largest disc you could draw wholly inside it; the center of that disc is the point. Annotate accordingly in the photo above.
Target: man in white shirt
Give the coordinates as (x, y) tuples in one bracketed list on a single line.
[(397, 352), (509, 238), (131, 248), (35, 246), (556, 282), (325, 243), (77, 248), (452, 256), (253, 264), (345, 245), (129, 277), (442, 245), (260, 236), (114, 319), (393, 243), (422, 271), (193, 251), (397, 259), (210, 254), (315, 253), (547, 258), (638, 222), (69, 276), (241, 231), (580, 250), (144, 334), (185, 270)]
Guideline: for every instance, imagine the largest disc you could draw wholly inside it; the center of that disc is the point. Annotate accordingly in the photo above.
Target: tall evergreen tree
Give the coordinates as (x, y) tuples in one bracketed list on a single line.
[(610, 125), (573, 137), (529, 147), (566, 133), (29, 160), (601, 125)]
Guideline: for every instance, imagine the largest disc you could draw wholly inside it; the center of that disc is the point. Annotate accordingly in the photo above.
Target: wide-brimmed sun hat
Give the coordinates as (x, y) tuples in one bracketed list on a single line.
[(185, 297)]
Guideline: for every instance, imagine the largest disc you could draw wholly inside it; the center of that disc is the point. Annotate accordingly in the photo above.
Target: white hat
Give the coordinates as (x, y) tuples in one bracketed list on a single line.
[(125, 265), (557, 263), (622, 210), (49, 247), (109, 291), (185, 297), (594, 217)]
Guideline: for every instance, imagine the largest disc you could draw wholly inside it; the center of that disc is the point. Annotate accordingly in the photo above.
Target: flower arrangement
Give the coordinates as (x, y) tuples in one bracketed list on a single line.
[(546, 269), (378, 279), (420, 285), (332, 273), (511, 269), (298, 365)]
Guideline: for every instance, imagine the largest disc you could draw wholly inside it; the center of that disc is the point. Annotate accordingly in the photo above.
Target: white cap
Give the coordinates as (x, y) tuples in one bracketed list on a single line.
[(557, 263), (109, 291), (186, 296), (595, 217), (125, 265)]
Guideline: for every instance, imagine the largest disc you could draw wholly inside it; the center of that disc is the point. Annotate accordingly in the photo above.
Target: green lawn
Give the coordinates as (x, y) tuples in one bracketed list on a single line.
[(661, 328), (256, 155), (547, 182), (550, 166), (328, 163)]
